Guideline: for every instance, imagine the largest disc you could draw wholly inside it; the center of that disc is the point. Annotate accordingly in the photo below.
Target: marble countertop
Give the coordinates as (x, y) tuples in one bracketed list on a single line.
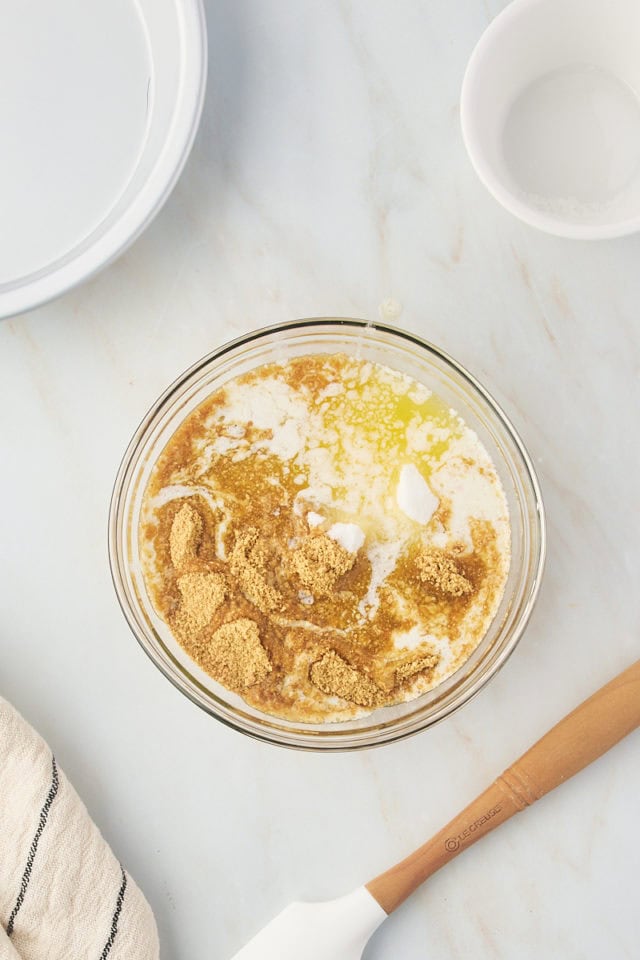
[(329, 178)]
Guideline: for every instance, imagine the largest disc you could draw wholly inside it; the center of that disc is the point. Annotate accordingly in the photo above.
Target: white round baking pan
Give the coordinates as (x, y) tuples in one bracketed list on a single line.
[(99, 104)]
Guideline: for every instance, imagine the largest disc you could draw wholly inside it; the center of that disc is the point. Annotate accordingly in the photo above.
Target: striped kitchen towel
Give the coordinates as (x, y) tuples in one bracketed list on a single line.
[(63, 894)]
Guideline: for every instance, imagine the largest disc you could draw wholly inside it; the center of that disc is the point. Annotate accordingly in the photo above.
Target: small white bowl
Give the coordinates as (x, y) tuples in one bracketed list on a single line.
[(551, 117)]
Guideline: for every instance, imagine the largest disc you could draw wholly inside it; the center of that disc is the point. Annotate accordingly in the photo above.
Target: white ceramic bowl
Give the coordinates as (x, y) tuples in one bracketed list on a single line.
[(551, 117), (100, 104)]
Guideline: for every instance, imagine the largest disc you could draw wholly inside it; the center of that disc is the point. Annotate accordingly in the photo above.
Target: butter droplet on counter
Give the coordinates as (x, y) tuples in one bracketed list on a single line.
[(348, 535), (390, 309), (414, 495)]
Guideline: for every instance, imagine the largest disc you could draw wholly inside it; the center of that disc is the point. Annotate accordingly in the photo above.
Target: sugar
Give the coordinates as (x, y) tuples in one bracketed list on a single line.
[(414, 495), (348, 535), (315, 519)]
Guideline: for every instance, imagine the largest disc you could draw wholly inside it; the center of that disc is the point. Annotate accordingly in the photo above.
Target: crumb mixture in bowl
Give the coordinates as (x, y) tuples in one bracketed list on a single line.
[(325, 536)]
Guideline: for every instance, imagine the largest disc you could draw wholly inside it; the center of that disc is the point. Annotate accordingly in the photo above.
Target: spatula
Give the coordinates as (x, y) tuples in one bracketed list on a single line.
[(339, 929)]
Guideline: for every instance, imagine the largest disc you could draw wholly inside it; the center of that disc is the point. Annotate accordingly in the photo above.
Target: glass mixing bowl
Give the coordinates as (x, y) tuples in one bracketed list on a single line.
[(426, 364)]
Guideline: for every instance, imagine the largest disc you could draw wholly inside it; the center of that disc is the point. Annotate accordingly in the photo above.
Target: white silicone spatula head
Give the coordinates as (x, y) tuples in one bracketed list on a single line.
[(335, 930)]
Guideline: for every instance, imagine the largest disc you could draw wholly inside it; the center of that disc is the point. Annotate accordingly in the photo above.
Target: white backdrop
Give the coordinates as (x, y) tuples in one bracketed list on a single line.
[(329, 175)]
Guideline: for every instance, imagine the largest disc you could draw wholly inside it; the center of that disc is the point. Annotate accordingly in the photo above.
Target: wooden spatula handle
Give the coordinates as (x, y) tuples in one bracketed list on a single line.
[(581, 737)]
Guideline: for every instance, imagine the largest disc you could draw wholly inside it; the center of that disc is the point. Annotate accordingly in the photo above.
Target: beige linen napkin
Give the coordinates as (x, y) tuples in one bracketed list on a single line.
[(63, 894)]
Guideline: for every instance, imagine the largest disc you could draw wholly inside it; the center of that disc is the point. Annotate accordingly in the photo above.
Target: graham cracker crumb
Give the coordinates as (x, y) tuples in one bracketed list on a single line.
[(406, 671), (202, 594), (249, 568), (440, 569), (319, 561), (333, 675), (236, 655), (185, 536)]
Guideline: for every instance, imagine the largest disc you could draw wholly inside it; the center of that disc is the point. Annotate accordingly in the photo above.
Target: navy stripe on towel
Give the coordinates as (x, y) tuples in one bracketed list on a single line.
[(116, 916), (33, 849)]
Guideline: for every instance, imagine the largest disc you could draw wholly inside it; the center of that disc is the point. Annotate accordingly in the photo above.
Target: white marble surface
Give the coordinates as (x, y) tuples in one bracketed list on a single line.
[(329, 175)]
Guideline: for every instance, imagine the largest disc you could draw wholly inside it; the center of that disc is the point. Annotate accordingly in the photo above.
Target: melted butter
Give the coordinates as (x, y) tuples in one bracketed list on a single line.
[(372, 417), (381, 416)]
